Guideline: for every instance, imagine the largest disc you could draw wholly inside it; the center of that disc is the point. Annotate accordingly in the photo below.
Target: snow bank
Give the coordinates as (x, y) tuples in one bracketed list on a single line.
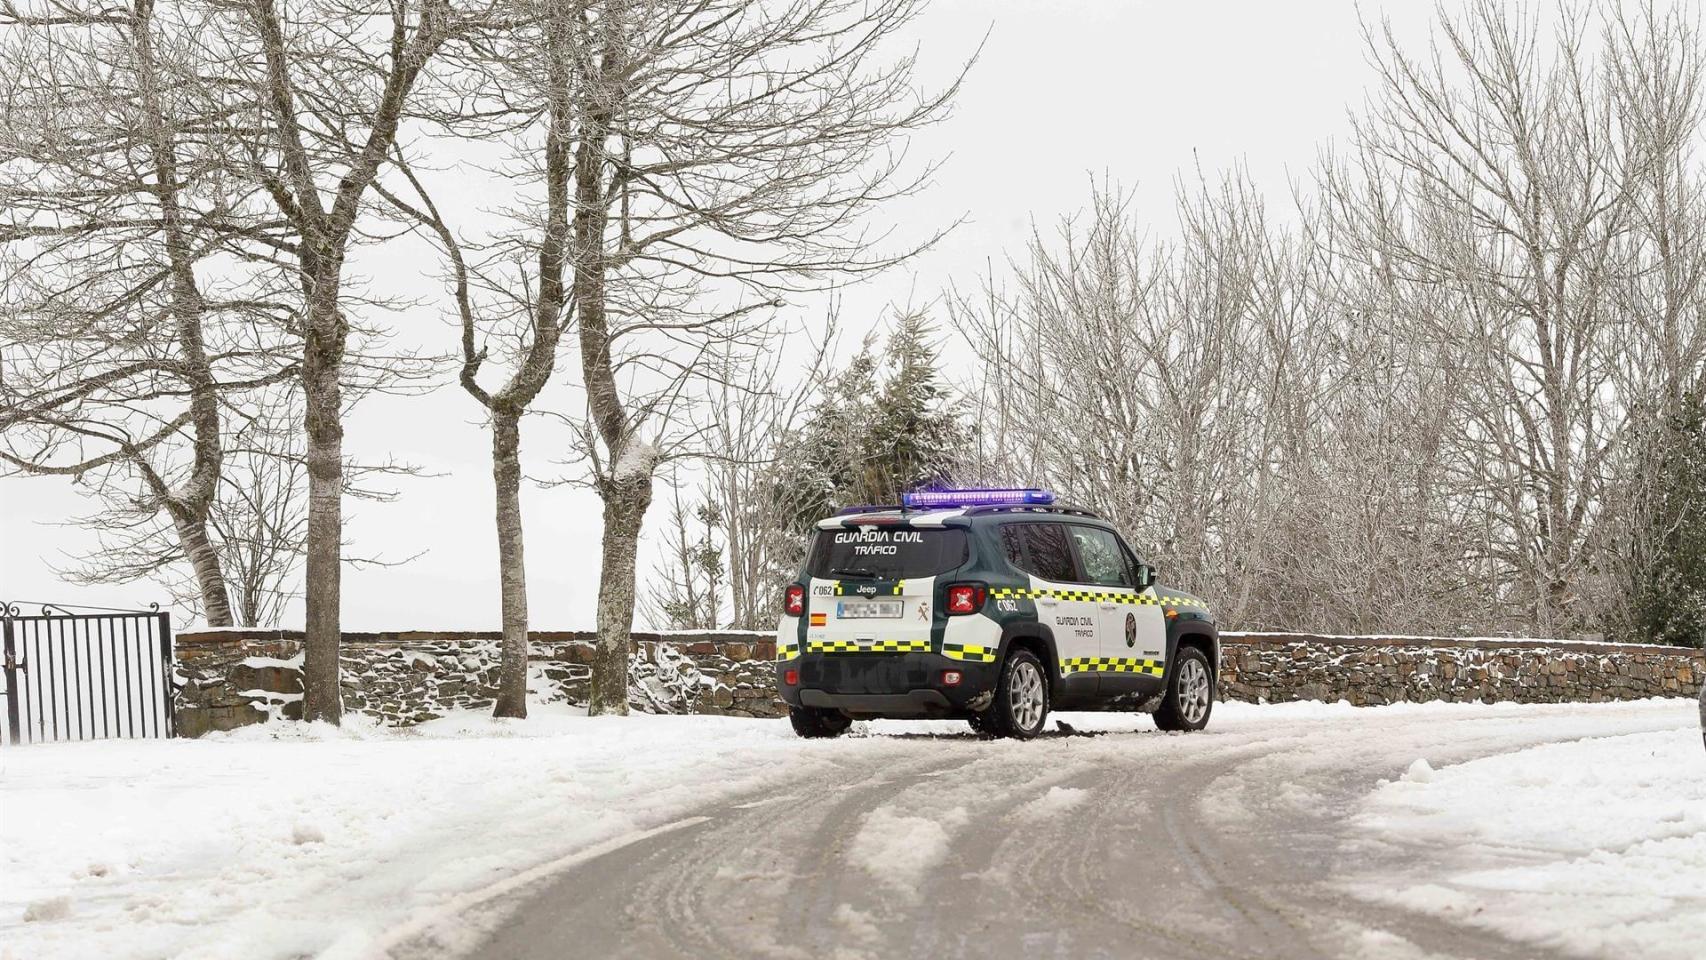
[(293, 840), (1595, 847)]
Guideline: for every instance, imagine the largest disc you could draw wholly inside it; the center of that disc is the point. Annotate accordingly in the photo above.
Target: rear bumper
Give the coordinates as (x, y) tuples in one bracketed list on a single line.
[(917, 703), (887, 685)]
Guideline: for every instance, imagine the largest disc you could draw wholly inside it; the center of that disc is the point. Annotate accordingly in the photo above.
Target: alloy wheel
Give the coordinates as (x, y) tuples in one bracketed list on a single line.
[(1194, 691), (1025, 695)]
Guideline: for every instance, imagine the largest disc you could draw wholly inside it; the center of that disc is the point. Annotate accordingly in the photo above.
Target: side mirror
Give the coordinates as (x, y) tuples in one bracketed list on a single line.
[(1145, 576)]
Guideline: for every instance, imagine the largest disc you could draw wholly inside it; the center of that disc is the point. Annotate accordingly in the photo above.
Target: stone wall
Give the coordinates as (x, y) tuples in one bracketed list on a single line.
[(227, 678), (1274, 667)]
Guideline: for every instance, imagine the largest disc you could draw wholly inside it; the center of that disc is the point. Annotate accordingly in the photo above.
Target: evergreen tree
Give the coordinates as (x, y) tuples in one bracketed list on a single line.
[(915, 437), (885, 425), (817, 464), (1668, 573)]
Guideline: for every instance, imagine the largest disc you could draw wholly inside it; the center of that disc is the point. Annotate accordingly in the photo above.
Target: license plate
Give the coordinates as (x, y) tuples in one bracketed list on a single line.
[(867, 609)]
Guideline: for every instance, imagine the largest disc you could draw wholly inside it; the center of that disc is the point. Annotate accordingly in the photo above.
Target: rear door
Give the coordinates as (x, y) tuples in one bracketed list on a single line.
[(873, 588)]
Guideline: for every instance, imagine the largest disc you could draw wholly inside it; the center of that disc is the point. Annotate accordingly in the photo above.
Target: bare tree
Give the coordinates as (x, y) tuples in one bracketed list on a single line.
[(724, 154), (1254, 420), (335, 82), (1505, 176), (687, 588), (261, 515), (116, 359), (732, 545), (758, 407), (508, 313), (1653, 62), (255, 525), (1654, 74), (1405, 412), (1148, 353)]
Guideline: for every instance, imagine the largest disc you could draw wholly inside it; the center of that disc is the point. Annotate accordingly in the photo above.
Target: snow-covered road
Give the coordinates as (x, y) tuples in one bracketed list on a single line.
[(1251, 842), (1270, 835)]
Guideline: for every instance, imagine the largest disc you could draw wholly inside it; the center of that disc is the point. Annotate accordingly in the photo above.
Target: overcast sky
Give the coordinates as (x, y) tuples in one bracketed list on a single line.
[(1141, 92)]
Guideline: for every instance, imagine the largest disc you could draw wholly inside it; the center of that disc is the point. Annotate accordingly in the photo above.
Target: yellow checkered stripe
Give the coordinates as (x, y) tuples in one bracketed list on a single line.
[(970, 652), (894, 591), (1153, 668), (1090, 596), (787, 651), (880, 646)]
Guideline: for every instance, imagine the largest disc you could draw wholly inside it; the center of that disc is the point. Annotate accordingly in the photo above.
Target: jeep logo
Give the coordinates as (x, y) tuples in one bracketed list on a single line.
[(866, 590)]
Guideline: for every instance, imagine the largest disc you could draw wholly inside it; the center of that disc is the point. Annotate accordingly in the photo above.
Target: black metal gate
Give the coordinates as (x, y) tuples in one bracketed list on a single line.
[(85, 676)]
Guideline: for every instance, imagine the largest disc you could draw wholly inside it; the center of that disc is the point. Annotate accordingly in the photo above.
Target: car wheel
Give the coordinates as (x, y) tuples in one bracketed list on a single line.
[(1190, 693), (815, 722), (1021, 698)]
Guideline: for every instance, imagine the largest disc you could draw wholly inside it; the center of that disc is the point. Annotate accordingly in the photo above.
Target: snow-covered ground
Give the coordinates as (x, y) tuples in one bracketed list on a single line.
[(289, 841), (1593, 847)]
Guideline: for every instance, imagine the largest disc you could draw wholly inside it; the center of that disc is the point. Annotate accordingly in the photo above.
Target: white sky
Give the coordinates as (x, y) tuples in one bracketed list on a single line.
[(1065, 91)]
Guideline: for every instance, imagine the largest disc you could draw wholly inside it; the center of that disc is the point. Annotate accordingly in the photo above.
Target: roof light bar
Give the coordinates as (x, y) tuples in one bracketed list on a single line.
[(977, 497)]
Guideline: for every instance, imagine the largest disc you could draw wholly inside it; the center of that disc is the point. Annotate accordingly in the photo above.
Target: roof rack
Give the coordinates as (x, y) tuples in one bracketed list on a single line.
[(869, 508), (1061, 508), (1067, 509)]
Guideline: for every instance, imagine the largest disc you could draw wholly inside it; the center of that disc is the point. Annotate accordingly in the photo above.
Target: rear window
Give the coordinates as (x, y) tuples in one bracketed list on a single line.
[(885, 553), (1040, 549)]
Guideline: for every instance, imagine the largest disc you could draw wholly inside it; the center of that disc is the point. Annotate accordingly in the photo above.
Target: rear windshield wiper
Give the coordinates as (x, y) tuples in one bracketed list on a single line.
[(862, 572)]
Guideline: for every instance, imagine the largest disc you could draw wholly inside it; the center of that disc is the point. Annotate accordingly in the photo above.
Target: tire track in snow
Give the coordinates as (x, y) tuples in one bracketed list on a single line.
[(1230, 845), (1110, 870), (713, 891)]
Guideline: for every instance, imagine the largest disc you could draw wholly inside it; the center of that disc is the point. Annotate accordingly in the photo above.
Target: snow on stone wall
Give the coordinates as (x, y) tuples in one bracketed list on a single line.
[(227, 678)]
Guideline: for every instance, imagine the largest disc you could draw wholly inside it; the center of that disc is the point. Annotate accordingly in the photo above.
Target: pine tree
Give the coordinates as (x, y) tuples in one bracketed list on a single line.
[(915, 437), (885, 425), (1668, 576), (815, 469)]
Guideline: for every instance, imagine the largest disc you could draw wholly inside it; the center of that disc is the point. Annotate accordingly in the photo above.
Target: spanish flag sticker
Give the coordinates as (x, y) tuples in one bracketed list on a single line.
[(820, 619)]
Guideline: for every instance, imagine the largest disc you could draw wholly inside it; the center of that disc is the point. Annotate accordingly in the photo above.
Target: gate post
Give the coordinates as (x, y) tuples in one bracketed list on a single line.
[(8, 650), (164, 621)]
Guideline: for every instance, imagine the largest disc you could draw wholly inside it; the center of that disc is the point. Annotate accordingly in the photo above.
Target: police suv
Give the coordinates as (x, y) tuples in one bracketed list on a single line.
[(994, 606)]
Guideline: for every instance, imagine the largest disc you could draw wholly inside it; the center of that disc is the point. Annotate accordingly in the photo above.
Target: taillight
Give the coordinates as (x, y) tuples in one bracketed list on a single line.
[(791, 678), (964, 598), (794, 602)]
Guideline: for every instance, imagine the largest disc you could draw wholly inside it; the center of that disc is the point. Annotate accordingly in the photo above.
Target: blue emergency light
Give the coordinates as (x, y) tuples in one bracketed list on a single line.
[(977, 497)]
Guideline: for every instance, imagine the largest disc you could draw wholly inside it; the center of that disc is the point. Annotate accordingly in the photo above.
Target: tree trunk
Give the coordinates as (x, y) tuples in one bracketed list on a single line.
[(512, 568), (626, 497), (189, 514), (322, 362), (209, 578)]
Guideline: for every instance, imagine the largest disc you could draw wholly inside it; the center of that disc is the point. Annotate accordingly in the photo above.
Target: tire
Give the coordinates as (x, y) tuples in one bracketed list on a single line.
[(815, 723), (1020, 707), (1190, 693)]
